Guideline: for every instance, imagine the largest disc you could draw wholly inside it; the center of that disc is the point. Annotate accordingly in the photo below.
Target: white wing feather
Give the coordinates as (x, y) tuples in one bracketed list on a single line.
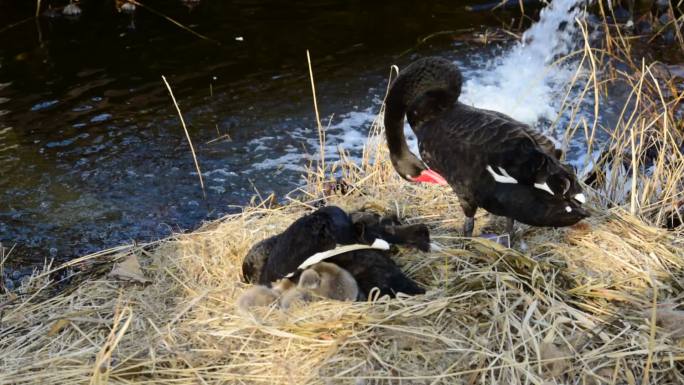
[(378, 244)]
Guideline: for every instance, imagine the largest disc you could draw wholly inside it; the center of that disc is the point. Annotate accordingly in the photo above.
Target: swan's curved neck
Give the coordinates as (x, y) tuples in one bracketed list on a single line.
[(427, 86), (395, 110)]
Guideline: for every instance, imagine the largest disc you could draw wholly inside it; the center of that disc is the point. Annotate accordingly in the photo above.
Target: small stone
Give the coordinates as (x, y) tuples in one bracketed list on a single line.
[(16, 274), (128, 7), (51, 13), (9, 284), (669, 36), (665, 19), (644, 27), (191, 4), (622, 15), (662, 4), (72, 10)]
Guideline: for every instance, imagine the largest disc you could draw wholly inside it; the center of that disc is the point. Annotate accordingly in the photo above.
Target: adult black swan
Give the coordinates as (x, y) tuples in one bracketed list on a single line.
[(331, 229), (488, 158)]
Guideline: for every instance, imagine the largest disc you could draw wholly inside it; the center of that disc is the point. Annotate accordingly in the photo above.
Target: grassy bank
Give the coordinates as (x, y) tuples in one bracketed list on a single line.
[(591, 304)]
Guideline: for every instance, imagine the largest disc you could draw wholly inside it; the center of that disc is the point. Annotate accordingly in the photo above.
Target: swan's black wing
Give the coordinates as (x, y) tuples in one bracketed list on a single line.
[(521, 155), (468, 143), (319, 231), (542, 140)]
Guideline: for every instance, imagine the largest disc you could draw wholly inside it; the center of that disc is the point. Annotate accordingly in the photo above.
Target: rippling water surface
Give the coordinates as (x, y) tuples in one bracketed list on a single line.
[(92, 153)]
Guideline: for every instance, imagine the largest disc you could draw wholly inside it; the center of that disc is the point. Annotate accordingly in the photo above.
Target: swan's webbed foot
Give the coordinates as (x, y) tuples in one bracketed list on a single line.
[(505, 239)]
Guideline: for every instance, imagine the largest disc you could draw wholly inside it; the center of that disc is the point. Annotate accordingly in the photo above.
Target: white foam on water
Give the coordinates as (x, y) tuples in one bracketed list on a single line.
[(290, 161), (355, 119), (349, 133), (221, 171), (525, 83)]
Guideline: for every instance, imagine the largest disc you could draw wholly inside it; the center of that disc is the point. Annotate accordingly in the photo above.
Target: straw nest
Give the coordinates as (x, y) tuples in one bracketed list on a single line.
[(589, 304), (595, 303)]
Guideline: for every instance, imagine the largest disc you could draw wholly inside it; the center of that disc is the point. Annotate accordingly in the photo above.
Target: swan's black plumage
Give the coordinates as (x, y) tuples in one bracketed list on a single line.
[(273, 258), (377, 270), (369, 226), (489, 159), (319, 231)]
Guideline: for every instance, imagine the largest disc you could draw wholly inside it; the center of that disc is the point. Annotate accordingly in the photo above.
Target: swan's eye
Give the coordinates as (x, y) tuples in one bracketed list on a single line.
[(568, 209)]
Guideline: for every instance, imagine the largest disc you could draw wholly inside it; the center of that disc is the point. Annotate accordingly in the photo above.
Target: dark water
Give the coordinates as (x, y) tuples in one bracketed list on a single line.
[(92, 153)]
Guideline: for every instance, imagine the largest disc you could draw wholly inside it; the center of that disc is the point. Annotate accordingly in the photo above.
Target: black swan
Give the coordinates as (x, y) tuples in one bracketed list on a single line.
[(488, 158), (319, 231), (282, 256)]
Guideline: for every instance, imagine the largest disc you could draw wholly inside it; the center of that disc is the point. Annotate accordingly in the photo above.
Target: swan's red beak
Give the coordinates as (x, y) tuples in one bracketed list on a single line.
[(429, 176)]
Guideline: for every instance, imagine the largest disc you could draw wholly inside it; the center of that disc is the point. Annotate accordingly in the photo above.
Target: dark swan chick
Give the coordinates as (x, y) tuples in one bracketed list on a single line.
[(488, 158)]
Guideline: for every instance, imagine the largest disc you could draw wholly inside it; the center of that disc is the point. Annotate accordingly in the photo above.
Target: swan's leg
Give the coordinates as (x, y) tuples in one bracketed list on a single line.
[(469, 210), (468, 226), (509, 230)]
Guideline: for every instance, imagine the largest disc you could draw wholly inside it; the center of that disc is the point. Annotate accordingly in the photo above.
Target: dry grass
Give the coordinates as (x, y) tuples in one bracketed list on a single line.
[(592, 304)]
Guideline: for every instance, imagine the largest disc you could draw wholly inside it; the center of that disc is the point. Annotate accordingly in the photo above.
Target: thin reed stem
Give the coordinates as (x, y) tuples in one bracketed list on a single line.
[(321, 130), (187, 135)]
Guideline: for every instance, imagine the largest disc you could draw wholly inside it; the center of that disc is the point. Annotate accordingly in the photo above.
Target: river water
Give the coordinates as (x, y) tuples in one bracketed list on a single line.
[(92, 154)]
